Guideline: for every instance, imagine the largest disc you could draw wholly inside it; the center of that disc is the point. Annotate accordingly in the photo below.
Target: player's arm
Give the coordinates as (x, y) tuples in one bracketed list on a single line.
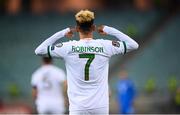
[(66, 102), (128, 42), (43, 48), (34, 92)]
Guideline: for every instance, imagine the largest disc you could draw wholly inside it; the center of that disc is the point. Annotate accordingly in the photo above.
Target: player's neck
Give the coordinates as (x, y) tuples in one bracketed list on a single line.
[(85, 36)]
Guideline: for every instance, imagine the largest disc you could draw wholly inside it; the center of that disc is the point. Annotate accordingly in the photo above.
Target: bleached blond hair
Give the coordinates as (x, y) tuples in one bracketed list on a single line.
[(84, 16)]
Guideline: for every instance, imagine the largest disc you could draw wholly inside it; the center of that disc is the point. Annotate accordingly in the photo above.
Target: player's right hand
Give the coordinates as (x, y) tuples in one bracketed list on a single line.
[(100, 30), (70, 34)]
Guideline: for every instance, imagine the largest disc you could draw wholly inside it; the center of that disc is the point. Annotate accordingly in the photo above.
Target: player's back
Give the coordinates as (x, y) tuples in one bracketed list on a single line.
[(87, 64), (47, 80)]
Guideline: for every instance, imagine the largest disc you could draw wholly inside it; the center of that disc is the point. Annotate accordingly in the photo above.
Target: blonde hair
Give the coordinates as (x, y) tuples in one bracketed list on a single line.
[(84, 16)]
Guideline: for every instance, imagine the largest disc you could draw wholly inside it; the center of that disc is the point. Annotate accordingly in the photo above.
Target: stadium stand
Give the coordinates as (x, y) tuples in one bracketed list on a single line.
[(158, 62), (159, 54)]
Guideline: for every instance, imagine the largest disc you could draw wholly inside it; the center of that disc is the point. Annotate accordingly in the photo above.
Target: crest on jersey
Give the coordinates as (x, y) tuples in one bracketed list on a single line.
[(115, 43), (59, 45)]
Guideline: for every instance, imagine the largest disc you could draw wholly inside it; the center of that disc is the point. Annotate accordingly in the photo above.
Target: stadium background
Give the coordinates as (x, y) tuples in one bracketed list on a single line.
[(155, 67)]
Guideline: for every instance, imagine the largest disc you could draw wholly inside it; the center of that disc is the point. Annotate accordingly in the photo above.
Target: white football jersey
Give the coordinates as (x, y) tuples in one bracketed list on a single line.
[(48, 80), (87, 64)]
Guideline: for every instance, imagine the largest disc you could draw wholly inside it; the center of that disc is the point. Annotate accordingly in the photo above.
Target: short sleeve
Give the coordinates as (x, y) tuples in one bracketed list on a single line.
[(34, 80), (115, 47), (59, 50)]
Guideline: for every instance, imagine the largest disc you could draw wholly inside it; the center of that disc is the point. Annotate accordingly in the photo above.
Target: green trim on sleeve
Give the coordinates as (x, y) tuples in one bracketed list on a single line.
[(48, 49), (125, 48)]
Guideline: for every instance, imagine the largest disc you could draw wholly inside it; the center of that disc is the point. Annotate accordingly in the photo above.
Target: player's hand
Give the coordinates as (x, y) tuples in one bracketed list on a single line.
[(100, 30), (70, 34)]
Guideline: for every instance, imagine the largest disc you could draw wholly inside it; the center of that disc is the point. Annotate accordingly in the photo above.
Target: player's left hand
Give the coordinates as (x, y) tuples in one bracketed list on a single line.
[(70, 34)]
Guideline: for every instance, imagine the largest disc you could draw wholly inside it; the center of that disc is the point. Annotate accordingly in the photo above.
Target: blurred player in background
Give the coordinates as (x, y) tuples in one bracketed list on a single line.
[(125, 93), (48, 83), (87, 62)]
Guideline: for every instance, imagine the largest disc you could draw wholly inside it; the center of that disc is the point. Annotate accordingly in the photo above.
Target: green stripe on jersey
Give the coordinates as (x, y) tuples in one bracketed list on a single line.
[(48, 49), (125, 48)]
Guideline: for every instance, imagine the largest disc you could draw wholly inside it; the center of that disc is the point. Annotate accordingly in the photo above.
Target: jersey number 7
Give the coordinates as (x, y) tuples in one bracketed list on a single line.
[(88, 63)]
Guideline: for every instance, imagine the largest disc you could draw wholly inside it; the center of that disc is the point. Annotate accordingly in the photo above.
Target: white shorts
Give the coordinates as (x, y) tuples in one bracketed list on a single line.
[(49, 108), (99, 111)]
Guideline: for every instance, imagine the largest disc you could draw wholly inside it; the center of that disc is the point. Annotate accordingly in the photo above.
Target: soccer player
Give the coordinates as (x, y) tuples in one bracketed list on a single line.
[(47, 83), (87, 62)]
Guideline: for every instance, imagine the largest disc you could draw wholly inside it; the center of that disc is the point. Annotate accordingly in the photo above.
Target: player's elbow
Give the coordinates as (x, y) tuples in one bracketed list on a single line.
[(38, 51), (135, 46)]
